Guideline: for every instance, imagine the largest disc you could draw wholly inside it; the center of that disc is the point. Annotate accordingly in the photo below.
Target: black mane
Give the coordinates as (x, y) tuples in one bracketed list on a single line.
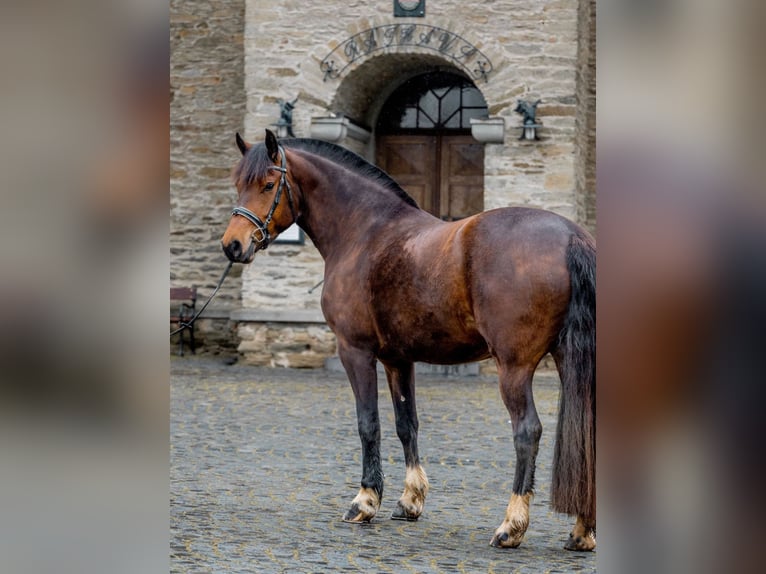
[(256, 162)]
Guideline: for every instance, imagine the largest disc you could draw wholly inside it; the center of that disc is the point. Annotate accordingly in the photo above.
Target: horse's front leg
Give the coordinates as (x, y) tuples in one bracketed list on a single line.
[(360, 368), (401, 382)]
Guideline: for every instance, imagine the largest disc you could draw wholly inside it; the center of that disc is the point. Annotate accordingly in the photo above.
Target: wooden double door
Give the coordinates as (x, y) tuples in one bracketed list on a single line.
[(443, 173)]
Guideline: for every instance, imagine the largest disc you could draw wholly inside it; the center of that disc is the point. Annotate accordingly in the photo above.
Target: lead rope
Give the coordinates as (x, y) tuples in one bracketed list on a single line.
[(188, 324)]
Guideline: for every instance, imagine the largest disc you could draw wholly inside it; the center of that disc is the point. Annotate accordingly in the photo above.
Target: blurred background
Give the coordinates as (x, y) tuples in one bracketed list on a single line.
[(83, 293), (681, 285)]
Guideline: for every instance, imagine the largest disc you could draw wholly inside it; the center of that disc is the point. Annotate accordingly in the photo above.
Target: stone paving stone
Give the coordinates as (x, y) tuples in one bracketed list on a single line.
[(264, 463)]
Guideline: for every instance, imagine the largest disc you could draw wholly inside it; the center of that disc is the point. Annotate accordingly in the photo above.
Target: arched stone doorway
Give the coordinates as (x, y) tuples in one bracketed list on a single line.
[(423, 140)]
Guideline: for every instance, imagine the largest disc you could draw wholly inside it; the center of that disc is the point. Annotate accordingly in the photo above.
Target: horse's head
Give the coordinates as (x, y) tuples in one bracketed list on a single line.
[(265, 203)]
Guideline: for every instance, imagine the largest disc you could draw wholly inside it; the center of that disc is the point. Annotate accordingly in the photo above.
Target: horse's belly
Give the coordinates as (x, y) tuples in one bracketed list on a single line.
[(435, 346)]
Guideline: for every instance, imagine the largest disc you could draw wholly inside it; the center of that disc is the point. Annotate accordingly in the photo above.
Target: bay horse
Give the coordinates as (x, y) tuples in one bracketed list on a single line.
[(401, 285)]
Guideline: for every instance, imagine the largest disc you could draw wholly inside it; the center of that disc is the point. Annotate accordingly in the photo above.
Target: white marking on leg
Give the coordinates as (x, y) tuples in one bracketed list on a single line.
[(516, 521), (517, 513), (415, 490)]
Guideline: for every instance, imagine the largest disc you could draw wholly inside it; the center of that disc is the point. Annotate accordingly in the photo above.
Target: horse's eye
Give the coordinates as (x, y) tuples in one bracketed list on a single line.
[(269, 186)]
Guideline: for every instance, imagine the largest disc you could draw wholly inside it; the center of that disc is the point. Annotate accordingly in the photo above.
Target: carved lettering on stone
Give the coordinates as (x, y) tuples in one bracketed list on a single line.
[(420, 36)]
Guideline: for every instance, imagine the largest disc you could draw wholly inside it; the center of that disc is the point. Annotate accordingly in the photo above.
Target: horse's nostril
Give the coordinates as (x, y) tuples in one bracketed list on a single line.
[(233, 250)]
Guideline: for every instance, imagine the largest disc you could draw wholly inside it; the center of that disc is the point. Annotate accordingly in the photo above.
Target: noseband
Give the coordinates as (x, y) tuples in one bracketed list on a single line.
[(262, 227)]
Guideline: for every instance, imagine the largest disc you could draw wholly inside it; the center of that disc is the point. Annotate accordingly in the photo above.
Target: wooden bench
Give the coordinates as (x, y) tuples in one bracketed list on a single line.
[(184, 312)]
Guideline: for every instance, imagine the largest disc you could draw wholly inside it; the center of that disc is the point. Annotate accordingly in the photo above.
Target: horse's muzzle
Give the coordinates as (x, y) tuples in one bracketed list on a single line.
[(235, 252)]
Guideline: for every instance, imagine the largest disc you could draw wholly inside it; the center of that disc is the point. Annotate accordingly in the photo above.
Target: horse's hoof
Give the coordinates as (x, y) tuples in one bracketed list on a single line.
[(580, 543), (498, 540), (400, 513), (504, 540), (364, 507), (355, 514)]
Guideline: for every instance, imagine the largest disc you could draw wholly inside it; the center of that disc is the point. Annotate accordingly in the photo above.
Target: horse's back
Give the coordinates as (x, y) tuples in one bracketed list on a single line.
[(523, 226)]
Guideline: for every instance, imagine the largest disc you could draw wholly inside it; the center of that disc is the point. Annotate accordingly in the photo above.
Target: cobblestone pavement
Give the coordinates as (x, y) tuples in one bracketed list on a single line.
[(265, 462)]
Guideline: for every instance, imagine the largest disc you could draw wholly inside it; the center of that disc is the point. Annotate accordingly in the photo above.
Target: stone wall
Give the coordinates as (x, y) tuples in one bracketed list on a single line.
[(278, 341), (585, 120), (207, 107), (215, 335)]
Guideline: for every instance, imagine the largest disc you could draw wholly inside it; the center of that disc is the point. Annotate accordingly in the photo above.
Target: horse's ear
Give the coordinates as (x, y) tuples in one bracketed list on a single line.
[(242, 144), (271, 145)]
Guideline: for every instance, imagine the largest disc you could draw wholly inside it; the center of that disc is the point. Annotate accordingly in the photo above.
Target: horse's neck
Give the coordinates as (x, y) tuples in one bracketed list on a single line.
[(341, 207)]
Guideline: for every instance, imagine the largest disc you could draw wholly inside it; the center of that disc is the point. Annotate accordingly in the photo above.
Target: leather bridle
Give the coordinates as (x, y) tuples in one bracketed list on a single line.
[(262, 227)]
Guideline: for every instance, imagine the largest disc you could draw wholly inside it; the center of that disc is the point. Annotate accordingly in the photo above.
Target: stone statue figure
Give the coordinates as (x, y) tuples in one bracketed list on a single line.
[(528, 110), (286, 115)]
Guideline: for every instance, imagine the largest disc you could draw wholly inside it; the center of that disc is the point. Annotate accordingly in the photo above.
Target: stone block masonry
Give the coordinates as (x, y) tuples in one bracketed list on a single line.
[(208, 99), (295, 340), (586, 114), (207, 87)]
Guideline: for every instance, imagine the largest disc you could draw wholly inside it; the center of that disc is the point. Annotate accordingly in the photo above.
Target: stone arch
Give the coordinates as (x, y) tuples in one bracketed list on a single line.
[(363, 86), (362, 93)]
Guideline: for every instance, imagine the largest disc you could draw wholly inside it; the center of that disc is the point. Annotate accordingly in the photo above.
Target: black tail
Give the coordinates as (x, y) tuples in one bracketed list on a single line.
[(574, 458)]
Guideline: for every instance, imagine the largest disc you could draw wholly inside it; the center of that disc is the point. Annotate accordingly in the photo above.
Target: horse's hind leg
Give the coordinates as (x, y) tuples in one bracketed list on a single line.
[(360, 368), (401, 382), (583, 535), (516, 390)]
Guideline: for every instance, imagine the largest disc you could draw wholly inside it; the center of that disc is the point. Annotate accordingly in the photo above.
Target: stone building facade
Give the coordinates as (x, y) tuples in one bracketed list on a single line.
[(208, 100), (347, 63)]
